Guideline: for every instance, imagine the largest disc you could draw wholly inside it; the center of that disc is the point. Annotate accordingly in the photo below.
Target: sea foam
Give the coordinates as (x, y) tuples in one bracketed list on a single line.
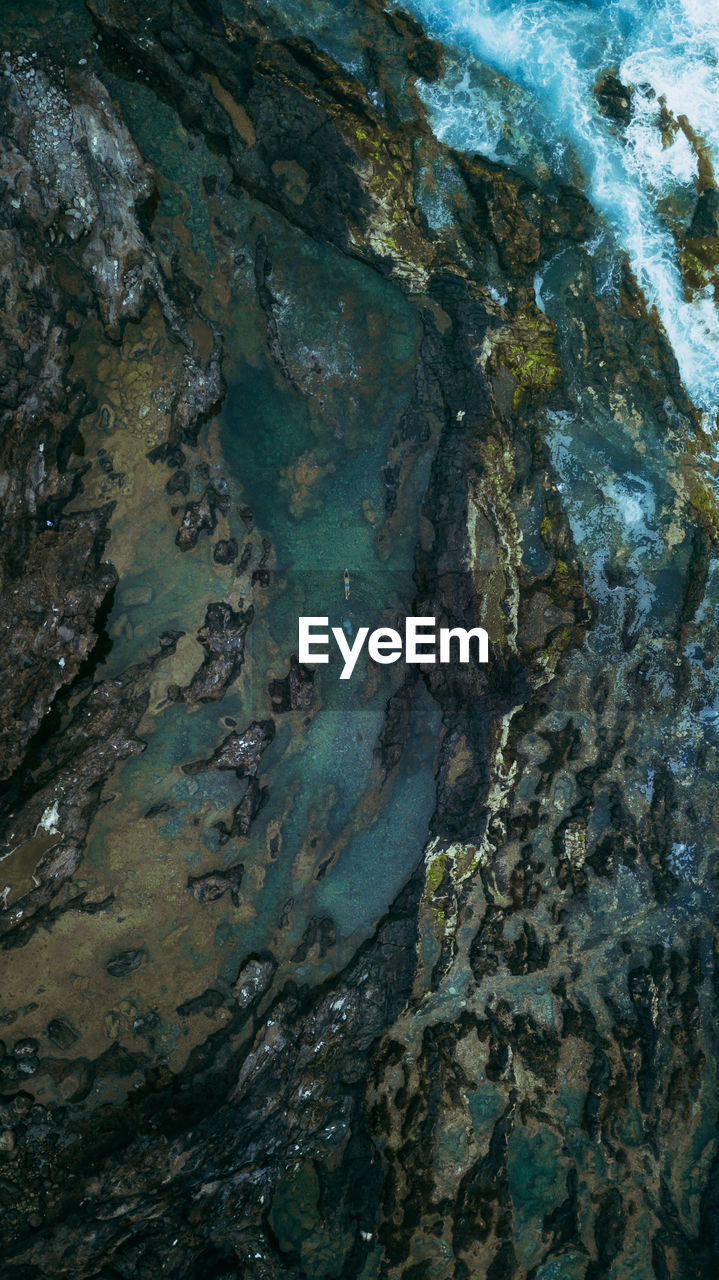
[(555, 51)]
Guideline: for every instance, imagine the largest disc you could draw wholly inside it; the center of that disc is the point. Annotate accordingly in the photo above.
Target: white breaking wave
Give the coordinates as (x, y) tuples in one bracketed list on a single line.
[(555, 50)]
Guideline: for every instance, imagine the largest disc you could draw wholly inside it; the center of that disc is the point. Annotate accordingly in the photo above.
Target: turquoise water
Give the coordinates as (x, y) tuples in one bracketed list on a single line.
[(350, 342)]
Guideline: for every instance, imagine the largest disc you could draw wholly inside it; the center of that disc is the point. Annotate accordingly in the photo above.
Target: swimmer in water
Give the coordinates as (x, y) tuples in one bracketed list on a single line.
[(347, 583)]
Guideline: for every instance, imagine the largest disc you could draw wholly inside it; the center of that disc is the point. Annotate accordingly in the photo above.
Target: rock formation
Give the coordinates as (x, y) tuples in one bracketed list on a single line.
[(514, 1075)]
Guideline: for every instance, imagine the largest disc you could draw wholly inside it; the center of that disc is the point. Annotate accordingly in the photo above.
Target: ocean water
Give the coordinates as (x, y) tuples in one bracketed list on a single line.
[(526, 69)]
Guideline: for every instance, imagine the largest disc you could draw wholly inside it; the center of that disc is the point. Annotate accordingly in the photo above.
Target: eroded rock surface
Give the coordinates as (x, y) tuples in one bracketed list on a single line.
[(222, 637), (515, 1076)]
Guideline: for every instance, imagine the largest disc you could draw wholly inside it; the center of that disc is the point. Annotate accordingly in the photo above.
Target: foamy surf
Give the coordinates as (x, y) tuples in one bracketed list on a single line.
[(554, 52)]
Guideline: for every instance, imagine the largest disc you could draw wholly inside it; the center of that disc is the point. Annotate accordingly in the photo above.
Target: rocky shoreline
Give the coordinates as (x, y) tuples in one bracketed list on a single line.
[(514, 1076)]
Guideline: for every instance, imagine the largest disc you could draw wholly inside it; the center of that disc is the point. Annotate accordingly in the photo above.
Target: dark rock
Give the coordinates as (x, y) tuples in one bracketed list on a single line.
[(390, 475), (62, 1033), (239, 751), (424, 56), (215, 884), (179, 482), (320, 934), (245, 811), (614, 99), (225, 551), (186, 60), (57, 189), (223, 638), (27, 1048), (201, 395), (93, 202), (170, 40), (168, 642), (125, 962), (295, 691), (253, 979), (208, 1003), (242, 752), (163, 806), (705, 221), (69, 770), (395, 730), (199, 517), (171, 454)]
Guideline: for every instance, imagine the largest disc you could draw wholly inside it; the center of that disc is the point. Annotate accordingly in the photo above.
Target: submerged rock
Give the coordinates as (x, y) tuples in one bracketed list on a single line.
[(126, 962), (614, 98), (62, 1033), (245, 812), (295, 691)]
